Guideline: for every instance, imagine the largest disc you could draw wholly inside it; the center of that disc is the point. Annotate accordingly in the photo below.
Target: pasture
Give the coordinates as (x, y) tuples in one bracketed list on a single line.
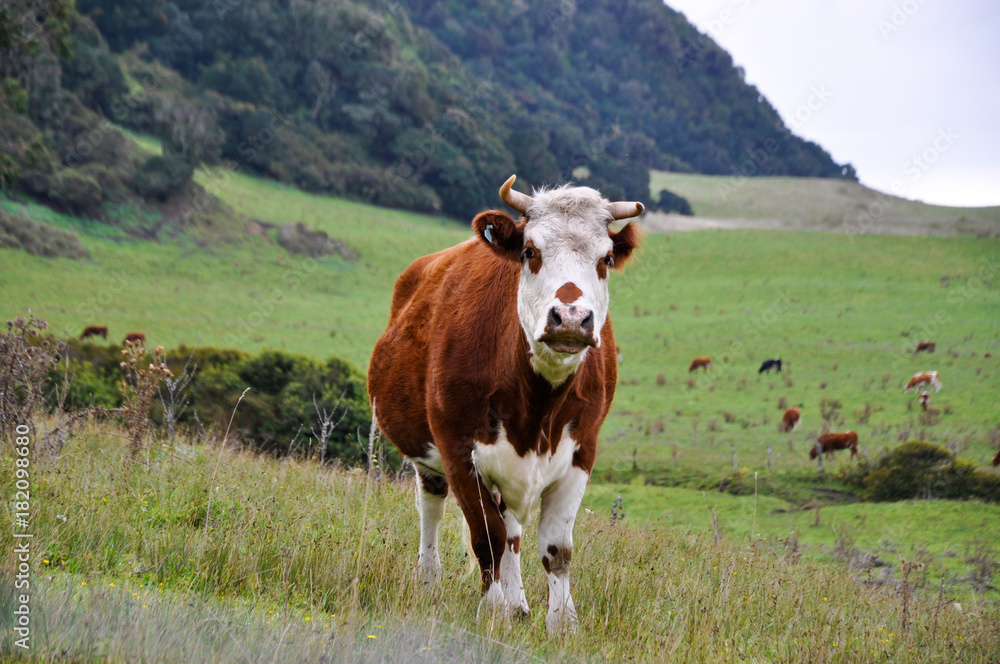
[(842, 311), (190, 555), (820, 204)]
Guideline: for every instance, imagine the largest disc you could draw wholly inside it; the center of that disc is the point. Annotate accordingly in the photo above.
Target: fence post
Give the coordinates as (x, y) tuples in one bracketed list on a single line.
[(733, 448), (770, 458)]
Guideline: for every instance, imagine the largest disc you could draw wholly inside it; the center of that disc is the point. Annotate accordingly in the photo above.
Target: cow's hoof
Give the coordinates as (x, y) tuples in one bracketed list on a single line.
[(492, 602), (561, 623), (519, 613), (427, 575)]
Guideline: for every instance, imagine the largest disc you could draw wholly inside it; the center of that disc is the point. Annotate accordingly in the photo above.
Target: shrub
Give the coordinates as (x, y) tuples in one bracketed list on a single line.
[(75, 191), (138, 387), (17, 232), (671, 202), (25, 360), (92, 74), (285, 391), (299, 239), (160, 176), (280, 403), (918, 469), (86, 387), (380, 187)]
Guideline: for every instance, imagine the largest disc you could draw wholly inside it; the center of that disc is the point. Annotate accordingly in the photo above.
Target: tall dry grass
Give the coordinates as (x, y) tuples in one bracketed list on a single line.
[(298, 562)]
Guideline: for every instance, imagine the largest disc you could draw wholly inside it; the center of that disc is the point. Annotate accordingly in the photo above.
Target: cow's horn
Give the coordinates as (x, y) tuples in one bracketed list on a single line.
[(625, 210), (513, 198)]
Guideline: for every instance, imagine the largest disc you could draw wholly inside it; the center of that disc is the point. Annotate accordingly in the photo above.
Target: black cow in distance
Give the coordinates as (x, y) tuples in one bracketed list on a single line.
[(770, 364)]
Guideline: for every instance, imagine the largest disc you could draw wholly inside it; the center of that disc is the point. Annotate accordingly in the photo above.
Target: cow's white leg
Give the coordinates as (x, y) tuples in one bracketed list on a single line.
[(560, 504), (510, 569), (431, 492)]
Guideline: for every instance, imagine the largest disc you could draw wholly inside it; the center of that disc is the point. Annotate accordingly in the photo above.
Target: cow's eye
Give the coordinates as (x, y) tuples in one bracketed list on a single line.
[(528, 253), (609, 261)]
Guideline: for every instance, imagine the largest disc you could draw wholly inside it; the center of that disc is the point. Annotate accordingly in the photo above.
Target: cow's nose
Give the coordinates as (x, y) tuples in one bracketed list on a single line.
[(570, 319)]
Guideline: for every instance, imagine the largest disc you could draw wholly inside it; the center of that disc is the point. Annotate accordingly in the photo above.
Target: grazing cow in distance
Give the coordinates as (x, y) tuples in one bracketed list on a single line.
[(770, 364), (925, 400), (996, 459), (831, 442), (135, 337), (700, 363), (494, 375), (925, 346), (791, 419), (95, 331), (922, 378)]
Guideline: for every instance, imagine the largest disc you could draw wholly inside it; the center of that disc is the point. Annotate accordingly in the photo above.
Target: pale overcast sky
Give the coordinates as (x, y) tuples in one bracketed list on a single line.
[(908, 91)]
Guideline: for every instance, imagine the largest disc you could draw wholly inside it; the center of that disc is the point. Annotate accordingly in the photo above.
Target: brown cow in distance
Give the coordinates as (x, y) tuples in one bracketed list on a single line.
[(494, 375), (95, 331), (135, 337), (925, 400), (700, 363), (922, 378), (925, 346), (791, 419), (996, 460), (831, 442)]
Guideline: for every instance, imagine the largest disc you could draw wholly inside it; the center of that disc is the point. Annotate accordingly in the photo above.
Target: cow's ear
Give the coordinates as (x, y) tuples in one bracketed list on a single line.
[(500, 233), (625, 241)]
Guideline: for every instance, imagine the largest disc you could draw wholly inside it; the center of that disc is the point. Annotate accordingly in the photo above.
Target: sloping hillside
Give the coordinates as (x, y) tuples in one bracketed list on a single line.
[(425, 106), (819, 204)]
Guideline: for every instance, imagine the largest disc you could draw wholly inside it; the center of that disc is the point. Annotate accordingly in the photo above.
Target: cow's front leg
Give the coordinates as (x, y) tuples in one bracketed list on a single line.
[(510, 567), (487, 532), (431, 492), (560, 503)]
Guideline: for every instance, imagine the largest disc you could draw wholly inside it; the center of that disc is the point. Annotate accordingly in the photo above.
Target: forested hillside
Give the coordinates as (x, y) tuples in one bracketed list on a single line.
[(412, 104)]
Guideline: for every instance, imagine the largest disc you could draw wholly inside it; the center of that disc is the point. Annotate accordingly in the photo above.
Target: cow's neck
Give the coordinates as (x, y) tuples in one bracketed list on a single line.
[(556, 368), (532, 411)]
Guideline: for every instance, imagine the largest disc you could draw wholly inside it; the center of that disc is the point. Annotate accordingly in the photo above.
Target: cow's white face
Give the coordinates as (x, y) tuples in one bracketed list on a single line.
[(562, 299), (566, 252)]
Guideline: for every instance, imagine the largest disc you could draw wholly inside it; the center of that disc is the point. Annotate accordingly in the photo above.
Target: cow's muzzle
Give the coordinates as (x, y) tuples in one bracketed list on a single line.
[(569, 329)]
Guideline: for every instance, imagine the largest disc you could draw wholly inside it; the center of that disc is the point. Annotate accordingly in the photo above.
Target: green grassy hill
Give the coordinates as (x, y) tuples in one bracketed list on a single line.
[(843, 312), (817, 204)]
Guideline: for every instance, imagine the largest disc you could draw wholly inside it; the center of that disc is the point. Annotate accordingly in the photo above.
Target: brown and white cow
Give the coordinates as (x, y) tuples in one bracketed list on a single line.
[(791, 419), (925, 400), (831, 442), (494, 375), (95, 331), (700, 363), (928, 346), (922, 378)]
